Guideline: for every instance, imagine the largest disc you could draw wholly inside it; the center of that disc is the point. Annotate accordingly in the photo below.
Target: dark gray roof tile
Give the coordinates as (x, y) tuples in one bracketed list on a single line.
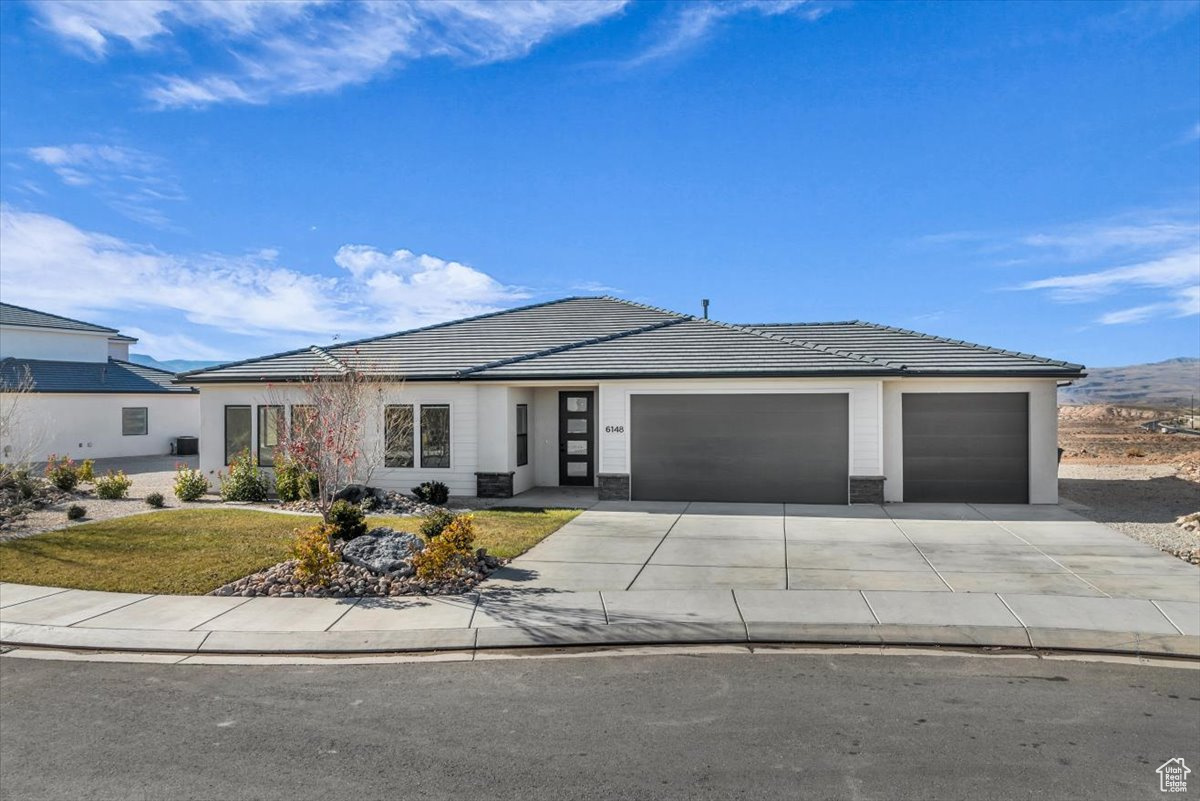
[(19, 315), (113, 376), (913, 351), (596, 337)]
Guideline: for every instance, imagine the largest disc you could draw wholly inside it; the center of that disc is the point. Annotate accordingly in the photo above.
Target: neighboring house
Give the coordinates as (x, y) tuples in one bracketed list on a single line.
[(649, 404), (80, 396)]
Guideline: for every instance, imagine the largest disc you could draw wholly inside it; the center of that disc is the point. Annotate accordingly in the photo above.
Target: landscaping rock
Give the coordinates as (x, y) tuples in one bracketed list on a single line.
[(353, 493), (382, 550), (375, 501), (348, 580)]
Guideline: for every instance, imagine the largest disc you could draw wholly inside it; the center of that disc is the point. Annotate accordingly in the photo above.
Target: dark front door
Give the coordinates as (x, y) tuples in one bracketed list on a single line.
[(577, 438)]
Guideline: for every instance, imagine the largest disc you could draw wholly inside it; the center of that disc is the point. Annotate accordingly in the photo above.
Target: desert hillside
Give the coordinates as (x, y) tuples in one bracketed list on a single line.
[(1169, 384)]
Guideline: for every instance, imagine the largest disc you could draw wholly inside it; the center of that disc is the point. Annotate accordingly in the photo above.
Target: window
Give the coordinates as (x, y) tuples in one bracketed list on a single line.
[(304, 423), (237, 431), (522, 434), (135, 421), (398, 436), (270, 427), (435, 435)]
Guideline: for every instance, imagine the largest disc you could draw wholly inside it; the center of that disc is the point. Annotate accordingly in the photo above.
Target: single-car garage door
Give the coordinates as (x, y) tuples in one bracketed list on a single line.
[(966, 446), (749, 448)]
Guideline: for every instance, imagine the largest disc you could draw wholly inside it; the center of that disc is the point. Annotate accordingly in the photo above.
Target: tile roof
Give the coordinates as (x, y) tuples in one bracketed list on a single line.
[(912, 351), (609, 337), (19, 315), (113, 376), (686, 348)]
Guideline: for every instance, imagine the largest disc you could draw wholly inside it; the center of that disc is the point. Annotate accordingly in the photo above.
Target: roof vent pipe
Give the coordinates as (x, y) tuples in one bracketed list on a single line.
[(704, 303)]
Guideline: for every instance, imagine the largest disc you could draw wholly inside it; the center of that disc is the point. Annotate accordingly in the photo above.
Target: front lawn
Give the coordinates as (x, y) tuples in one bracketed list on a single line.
[(194, 551)]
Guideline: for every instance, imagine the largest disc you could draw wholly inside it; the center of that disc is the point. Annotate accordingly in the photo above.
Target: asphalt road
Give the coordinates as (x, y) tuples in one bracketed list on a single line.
[(623, 727)]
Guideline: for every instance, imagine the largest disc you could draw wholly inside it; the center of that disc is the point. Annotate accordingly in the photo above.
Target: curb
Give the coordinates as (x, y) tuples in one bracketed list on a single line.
[(347, 643)]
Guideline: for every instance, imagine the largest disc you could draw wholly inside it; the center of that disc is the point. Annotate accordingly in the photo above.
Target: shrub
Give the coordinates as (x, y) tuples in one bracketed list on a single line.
[(346, 520), (449, 552), (434, 492), (314, 554), (26, 486), (76, 512), (245, 482), (290, 480), (87, 471), (436, 523), (310, 487), (190, 485), (155, 499), (62, 473), (113, 485)]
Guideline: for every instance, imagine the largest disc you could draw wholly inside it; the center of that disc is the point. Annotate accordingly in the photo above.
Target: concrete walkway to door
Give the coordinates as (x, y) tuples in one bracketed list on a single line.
[(1047, 550)]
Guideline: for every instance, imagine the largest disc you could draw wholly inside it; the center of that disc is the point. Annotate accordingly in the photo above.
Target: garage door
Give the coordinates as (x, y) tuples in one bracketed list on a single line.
[(967, 447), (760, 448)]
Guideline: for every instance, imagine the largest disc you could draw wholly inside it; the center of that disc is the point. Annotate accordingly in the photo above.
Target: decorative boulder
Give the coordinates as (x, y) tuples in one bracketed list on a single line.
[(382, 550), (353, 493)]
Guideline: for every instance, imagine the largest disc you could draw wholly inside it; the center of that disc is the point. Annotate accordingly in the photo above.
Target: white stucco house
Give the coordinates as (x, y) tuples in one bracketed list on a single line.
[(83, 398), (648, 404)]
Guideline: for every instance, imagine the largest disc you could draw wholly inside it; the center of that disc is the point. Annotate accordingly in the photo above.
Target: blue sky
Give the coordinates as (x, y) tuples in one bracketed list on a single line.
[(229, 179)]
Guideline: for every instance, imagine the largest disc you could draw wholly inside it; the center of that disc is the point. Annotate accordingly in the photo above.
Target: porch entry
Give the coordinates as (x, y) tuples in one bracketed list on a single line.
[(577, 438)]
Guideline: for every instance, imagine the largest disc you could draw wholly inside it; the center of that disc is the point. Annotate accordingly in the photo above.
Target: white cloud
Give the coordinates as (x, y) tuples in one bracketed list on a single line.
[(133, 182), (1177, 273), (1186, 303), (304, 47), (173, 346), (696, 21), (49, 263), (1155, 253)]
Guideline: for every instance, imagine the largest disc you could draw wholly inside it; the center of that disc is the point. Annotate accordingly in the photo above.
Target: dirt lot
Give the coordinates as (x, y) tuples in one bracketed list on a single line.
[(1134, 480), (1114, 435)]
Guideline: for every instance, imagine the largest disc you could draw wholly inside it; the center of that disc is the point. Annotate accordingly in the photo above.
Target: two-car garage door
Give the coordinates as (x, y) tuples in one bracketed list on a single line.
[(757, 447)]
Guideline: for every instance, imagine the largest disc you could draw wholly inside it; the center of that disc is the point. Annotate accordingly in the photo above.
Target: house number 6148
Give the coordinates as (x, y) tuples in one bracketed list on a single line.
[(614, 429)]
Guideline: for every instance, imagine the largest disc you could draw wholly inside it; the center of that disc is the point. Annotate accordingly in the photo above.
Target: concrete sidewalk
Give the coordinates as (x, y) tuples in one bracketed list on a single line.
[(508, 618)]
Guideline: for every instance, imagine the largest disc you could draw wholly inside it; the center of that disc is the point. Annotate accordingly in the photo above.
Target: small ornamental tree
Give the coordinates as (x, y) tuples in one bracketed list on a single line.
[(338, 431)]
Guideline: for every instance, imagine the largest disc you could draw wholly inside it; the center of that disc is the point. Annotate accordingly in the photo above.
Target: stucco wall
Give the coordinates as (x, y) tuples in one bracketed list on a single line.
[(1043, 428), (63, 346), (464, 455), (89, 426)]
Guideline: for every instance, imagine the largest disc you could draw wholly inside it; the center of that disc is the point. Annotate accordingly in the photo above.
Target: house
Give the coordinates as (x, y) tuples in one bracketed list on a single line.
[(67, 387), (649, 404)]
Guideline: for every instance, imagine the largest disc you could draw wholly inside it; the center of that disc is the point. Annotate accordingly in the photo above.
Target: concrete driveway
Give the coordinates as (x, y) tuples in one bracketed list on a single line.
[(1045, 550)]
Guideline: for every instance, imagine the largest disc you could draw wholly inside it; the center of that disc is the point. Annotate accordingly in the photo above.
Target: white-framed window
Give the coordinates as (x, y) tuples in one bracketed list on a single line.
[(135, 421)]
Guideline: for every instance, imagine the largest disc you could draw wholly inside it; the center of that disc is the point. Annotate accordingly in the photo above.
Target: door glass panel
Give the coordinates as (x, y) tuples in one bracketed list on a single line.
[(576, 468), (577, 404), (577, 447), (577, 426)]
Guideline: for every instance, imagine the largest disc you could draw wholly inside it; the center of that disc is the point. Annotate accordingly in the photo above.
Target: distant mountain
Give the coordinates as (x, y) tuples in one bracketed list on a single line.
[(1172, 383), (170, 365)]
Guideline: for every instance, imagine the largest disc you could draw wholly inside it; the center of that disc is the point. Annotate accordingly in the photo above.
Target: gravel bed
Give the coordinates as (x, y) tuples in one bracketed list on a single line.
[(148, 474), (352, 581), (1140, 501)]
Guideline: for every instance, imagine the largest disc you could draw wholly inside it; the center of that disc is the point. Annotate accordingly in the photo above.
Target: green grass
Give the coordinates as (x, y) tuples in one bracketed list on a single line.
[(194, 551)]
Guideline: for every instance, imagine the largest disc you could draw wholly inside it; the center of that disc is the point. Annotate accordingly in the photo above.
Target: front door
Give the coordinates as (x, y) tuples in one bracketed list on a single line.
[(577, 438)]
